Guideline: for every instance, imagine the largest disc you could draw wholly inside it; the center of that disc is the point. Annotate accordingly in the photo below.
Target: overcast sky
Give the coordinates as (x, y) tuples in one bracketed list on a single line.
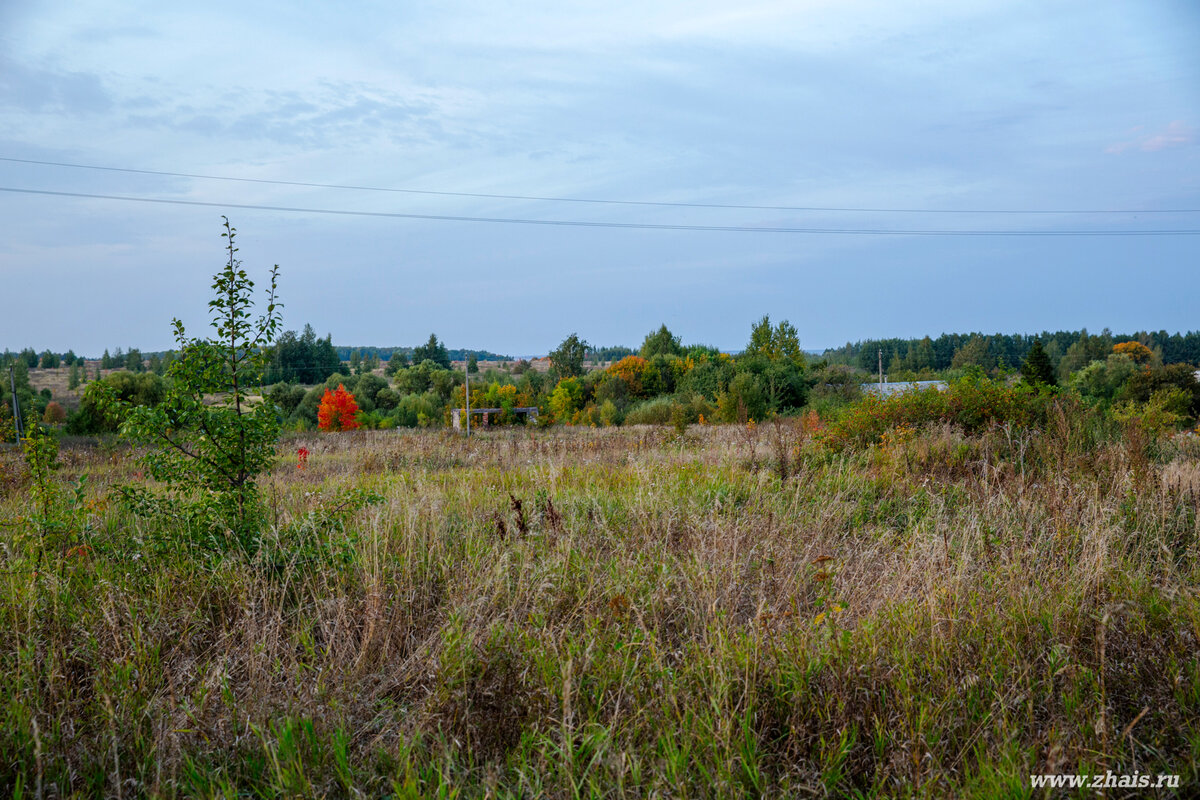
[(951, 106)]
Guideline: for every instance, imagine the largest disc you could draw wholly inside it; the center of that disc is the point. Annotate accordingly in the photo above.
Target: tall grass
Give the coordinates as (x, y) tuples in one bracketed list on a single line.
[(738, 611)]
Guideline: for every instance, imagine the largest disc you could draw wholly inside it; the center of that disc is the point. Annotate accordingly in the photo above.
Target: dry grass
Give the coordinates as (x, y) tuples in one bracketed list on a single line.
[(623, 612)]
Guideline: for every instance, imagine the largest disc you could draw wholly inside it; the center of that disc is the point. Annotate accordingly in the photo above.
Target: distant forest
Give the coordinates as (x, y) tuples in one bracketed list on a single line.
[(664, 382), (1068, 350), (345, 353)]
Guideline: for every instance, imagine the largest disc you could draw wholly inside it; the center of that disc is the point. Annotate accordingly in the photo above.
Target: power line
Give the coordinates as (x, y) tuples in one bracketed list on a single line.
[(606, 224), (352, 187)]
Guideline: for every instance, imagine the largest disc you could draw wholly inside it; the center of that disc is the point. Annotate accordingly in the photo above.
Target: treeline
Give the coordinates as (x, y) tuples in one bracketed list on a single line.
[(1069, 351), (662, 382), (382, 354), (46, 359), (305, 359), (610, 353)]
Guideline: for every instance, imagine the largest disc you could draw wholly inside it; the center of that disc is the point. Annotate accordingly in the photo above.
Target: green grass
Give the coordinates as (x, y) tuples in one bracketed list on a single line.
[(738, 612)]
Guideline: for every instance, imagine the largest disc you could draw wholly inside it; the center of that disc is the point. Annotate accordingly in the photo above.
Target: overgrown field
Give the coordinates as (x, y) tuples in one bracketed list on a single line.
[(737, 611)]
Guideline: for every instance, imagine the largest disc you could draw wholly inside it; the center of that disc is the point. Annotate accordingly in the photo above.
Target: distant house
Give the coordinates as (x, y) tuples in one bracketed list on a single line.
[(897, 387)]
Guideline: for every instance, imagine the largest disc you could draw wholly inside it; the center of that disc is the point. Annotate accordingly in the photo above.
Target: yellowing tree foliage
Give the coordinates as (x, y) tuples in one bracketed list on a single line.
[(1135, 350)]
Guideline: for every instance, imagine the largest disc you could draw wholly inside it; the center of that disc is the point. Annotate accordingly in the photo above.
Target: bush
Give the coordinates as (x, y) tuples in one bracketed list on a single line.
[(835, 385), (708, 378), (610, 414), (309, 405), (743, 401), (386, 399), (1102, 380), (1165, 410), (566, 399), (780, 382), (652, 412), (8, 429), (972, 403), (55, 414), (417, 409), (1142, 385), (105, 402), (368, 389), (693, 407), (286, 397)]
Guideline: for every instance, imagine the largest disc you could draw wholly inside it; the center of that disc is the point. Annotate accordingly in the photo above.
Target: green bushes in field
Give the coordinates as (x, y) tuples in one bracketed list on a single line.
[(667, 384), (97, 414), (973, 403), (651, 412)]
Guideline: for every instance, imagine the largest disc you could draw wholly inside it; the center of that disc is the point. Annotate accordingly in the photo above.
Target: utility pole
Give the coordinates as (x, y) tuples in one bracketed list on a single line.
[(881, 371), (12, 382), (467, 392)]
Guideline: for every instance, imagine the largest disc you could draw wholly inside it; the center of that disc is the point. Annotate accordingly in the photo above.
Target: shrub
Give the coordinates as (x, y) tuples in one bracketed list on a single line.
[(781, 382), (414, 408), (105, 401), (1102, 380), (743, 401), (59, 515), (651, 412), (8, 429), (615, 390), (287, 397), (368, 388), (972, 403), (306, 410), (634, 372), (834, 386), (1166, 409), (1142, 385), (55, 414), (709, 377), (610, 414), (693, 407), (386, 399), (566, 399)]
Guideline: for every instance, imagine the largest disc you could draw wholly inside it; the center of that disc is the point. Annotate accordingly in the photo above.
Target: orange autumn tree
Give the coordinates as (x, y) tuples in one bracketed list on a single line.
[(1135, 350), (635, 371), (338, 411)]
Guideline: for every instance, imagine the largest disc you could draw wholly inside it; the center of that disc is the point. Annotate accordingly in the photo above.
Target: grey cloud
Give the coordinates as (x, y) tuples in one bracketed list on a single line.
[(38, 90), (331, 115)]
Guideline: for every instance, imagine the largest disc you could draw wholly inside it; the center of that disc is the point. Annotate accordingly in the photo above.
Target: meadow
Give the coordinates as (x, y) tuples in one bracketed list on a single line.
[(737, 610)]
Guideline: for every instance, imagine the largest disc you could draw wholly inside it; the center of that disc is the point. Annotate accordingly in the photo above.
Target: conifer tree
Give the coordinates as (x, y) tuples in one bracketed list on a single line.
[(1037, 368)]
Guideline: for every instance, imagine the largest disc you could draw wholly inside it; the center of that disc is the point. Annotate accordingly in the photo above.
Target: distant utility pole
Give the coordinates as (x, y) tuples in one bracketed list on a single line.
[(467, 392), (12, 382), (881, 369)]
